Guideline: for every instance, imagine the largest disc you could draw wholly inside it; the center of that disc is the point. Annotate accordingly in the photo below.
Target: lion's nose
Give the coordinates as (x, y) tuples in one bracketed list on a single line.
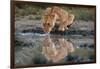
[(47, 31)]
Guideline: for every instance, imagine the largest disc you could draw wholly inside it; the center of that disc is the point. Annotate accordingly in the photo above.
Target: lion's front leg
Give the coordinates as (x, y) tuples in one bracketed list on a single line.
[(66, 28), (61, 28)]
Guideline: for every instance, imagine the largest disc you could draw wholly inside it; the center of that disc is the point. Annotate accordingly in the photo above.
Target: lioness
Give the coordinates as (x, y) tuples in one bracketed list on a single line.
[(52, 14)]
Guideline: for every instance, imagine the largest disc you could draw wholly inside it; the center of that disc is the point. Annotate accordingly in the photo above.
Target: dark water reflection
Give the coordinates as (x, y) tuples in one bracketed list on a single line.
[(50, 49)]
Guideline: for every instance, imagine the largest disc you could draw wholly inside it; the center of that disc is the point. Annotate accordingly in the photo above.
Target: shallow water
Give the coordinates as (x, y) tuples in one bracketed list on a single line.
[(35, 48)]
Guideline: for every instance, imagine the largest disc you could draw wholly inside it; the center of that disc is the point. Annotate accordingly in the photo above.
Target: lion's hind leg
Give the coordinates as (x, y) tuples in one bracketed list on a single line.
[(70, 20), (61, 27)]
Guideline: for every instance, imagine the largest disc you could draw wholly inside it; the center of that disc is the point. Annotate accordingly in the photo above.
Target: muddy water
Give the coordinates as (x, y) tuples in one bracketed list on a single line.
[(35, 48)]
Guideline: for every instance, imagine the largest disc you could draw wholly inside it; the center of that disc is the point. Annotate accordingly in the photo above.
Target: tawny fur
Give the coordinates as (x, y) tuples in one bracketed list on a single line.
[(52, 14)]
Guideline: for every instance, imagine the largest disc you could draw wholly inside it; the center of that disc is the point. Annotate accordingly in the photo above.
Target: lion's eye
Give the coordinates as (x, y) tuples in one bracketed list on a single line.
[(48, 24)]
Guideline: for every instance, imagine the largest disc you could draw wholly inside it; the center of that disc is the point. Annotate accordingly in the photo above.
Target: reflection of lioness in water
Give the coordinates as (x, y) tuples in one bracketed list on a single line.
[(56, 49), (52, 14)]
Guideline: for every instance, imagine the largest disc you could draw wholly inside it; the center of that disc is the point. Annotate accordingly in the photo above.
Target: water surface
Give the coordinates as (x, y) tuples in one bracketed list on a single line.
[(34, 48)]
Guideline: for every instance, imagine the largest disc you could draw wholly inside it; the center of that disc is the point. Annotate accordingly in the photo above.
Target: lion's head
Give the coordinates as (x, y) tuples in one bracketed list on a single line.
[(48, 22)]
